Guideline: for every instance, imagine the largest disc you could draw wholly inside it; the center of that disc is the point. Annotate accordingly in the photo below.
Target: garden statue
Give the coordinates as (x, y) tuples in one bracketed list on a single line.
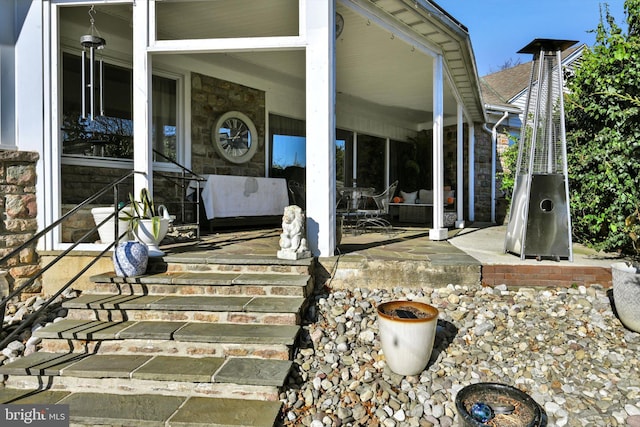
[(293, 240)]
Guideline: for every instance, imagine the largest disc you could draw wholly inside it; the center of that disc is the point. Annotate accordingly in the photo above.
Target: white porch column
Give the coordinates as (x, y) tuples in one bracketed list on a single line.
[(460, 169), (142, 154), (472, 172), (438, 232), (320, 116)]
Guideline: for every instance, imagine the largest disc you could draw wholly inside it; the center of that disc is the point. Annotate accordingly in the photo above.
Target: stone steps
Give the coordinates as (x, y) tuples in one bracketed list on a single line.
[(90, 409), (227, 309), (195, 342), (246, 378), (205, 283)]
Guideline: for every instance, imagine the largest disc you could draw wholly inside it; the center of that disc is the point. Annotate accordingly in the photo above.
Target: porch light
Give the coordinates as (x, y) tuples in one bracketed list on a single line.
[(92, 42)]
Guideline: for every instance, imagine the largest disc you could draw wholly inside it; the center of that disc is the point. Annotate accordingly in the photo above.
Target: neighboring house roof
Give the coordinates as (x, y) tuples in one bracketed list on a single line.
[(505, 87)]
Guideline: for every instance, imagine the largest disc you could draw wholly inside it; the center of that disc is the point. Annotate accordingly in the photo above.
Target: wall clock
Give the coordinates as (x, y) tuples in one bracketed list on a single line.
[(234, 137)]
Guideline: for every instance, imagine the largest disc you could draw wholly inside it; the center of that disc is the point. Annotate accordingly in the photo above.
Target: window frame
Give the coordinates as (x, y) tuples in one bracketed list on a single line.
[(182, 148)]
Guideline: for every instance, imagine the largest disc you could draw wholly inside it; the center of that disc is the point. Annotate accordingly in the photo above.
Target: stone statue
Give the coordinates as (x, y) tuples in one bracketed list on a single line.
[(293, 240)]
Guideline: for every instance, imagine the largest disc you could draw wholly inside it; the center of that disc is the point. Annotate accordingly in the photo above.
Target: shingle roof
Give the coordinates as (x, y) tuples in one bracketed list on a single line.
[(501, 87)]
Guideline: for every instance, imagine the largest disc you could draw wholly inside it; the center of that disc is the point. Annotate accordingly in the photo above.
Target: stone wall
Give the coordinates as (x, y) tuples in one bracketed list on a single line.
[(210, 98), (482, 175), (18, 210)]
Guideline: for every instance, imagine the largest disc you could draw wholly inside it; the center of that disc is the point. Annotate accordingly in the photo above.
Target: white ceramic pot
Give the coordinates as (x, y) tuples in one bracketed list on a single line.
[(107, 230), (626, 294), (144, 233), (407, 333)]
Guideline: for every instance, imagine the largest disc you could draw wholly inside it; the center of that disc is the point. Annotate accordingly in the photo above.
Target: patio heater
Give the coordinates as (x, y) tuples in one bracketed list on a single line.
[(92, 42), (540, 224)]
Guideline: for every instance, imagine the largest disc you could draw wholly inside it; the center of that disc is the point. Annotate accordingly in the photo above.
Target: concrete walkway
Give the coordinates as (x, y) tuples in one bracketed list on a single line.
[(485, 242)]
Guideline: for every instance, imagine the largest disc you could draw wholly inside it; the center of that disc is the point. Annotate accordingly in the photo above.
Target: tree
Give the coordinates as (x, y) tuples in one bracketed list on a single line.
[(603, 133)]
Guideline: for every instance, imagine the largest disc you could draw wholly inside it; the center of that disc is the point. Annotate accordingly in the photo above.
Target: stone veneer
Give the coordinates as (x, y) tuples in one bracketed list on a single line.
[(18, 209), (210, 98)]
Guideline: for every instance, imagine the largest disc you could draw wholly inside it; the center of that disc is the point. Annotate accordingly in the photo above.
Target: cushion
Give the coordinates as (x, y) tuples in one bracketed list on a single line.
[(449, 195), (425, 196), (409, 197)]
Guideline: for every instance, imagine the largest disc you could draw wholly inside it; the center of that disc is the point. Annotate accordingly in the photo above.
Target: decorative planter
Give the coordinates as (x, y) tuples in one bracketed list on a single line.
[(407, 333), (626, 294), (107, 230), (130, 259), (494, 404), (144, 233)]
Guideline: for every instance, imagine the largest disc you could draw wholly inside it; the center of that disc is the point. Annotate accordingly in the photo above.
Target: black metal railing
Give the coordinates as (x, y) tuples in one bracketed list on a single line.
[(188, 183), (186, 179)]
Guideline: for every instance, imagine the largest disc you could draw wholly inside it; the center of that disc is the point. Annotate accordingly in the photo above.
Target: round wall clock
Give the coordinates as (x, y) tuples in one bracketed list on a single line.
[(234, 137)]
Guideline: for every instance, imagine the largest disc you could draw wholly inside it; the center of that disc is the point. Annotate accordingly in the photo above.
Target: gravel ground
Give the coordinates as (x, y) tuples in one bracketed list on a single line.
[(564, 347)]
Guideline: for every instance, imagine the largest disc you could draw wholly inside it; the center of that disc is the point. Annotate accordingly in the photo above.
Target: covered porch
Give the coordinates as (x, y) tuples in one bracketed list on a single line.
[(377, 91)]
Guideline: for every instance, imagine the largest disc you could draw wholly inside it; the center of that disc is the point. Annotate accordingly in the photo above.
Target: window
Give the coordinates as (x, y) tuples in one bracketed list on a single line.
[(110, 135), (288, 148)]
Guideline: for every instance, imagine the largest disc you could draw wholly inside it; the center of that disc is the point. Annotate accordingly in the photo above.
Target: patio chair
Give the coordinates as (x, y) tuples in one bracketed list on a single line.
[(378, 217), (298, 194)]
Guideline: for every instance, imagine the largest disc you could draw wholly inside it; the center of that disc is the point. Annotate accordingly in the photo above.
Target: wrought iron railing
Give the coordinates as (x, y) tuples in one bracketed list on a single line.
[(183, 181)]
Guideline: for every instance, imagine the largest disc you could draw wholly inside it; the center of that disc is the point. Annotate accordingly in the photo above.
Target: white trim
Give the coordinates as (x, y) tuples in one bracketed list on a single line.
[(321, 130), (472, 172), (364, 8), (460, 168), (243, 44), (142, 100), (438, 232)]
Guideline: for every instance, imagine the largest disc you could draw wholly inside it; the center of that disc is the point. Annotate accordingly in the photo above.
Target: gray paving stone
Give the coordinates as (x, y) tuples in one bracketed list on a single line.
[(151, 330), (111, 302), (106, 366), (202, 303), (254, 372), (275, 305), (82, 329), (272, 279), (202, 411), (188, 369), (40, 363), (18, 396), (236, 333), (123, 410)]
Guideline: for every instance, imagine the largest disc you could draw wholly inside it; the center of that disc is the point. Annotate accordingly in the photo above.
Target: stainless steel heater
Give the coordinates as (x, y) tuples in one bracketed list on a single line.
[(540, 223)]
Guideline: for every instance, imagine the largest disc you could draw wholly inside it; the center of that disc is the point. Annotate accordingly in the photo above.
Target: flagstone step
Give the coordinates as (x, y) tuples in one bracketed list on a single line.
[(248, 378), (213, 261), (225, 309), (90, 409), (205, 283), (179, 338)]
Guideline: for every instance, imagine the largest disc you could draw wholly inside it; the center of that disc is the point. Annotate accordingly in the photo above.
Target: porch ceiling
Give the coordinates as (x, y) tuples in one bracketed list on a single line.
[(380, 57)]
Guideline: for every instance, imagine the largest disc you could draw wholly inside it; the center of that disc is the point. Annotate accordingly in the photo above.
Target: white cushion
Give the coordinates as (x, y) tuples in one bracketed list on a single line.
[(425, 196), (409, 197)]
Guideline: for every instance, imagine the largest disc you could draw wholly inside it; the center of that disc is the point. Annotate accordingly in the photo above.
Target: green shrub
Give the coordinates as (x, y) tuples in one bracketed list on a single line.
[(603, 134)]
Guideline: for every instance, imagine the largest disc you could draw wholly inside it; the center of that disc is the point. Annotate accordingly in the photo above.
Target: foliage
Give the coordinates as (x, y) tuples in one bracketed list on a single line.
[(632, 228), (508, 160), (139, 210), (603, 134)]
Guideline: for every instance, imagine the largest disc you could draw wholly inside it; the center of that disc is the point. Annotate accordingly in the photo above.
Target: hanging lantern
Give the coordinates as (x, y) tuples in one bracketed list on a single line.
[(92, 42)]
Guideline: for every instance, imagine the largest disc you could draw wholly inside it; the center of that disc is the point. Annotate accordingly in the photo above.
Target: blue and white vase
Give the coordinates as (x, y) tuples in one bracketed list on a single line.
[(130, 259)]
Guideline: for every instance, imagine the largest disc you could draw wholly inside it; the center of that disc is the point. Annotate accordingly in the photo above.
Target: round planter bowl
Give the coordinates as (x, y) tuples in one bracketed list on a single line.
[(528, 412), (407, 333), (626, 294)]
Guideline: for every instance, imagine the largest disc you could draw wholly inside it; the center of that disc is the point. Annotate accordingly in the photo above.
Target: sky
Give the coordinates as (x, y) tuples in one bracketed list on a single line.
[(500, 28)]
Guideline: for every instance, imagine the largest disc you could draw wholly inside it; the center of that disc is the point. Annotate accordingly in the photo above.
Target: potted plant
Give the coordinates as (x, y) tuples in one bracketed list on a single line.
[(147, 223), (626, 278)]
